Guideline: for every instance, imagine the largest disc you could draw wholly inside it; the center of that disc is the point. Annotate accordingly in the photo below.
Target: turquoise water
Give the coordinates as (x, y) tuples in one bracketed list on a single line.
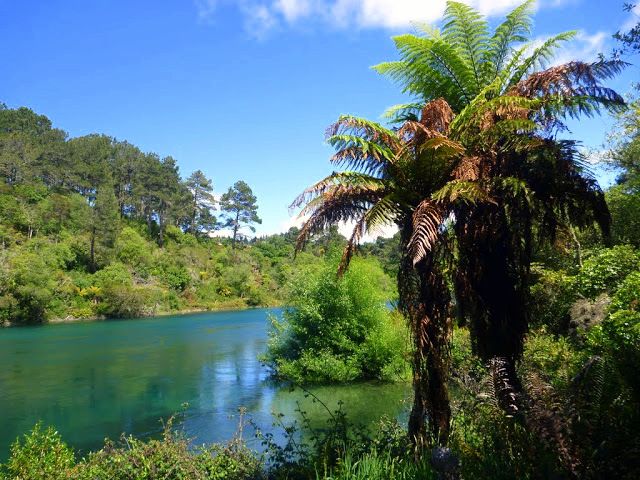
[(98, 379)]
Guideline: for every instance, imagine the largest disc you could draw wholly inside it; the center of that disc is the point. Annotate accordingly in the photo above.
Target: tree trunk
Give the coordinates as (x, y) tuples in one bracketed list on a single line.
[(161, 230), (235, 231), (192, 226), (92, 263)]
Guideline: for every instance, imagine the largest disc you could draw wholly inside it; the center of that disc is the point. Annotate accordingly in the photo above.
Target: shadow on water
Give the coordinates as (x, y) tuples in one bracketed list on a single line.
[(97, 380)]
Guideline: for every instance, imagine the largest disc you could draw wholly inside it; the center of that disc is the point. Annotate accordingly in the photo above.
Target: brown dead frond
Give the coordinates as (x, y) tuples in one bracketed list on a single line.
[(359, 159), (427, 219), (322, 193), (362, 128), (437, 115), (415, 132), (572, 79), (327, 213), (352, 247), (434, 122)]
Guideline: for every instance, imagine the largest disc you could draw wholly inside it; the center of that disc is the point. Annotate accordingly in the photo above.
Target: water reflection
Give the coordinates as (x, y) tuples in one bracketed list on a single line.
[(96, 380)]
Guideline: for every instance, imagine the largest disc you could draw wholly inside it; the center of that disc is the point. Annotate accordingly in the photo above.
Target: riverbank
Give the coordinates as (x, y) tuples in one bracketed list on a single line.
[(223, 307)]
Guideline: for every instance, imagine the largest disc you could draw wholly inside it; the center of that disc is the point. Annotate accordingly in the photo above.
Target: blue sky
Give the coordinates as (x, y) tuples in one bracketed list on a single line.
[(241, 89)]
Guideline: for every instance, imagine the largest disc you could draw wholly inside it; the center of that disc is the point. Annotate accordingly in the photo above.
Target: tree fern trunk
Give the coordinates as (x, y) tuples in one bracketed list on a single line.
[(431, 397), (507, 385), (425, 300)]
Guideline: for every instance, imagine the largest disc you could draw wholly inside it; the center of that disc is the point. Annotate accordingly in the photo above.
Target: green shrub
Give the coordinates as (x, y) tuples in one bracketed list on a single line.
[(561, 301), (168, 458), (114, 274), (176, 277), (29, 285), (551, 298), (339, 330), (41, 455), (132, 249), (627, 297), (124, 301), (605, 271)]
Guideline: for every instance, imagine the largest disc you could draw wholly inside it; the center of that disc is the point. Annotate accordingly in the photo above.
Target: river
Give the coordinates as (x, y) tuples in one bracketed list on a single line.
[(98, 379)]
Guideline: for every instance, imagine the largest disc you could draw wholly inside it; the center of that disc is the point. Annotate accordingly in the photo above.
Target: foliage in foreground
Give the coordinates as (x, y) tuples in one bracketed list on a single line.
[(580, 368), (43, 455), (339, 330)]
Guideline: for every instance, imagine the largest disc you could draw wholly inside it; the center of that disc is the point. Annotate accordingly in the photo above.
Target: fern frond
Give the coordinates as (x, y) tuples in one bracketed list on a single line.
[(352, 247), (427, 220), (353, 180), (330, 212), (541, 56), (462, 191), (361, 127), (438, 56), (356, 194), (403, 113), (515, 29), (467, 29), (383, 213), (357, 153)]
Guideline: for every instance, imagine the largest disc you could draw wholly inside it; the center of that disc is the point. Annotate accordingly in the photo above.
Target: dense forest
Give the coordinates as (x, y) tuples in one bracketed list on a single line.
[(94, 227)]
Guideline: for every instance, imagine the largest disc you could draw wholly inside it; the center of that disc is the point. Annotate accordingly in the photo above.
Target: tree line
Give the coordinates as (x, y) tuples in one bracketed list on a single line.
[(115, 177)]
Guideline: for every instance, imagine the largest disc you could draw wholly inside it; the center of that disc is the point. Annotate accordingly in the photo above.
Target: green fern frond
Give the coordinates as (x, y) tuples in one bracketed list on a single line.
[(426, 30), (438, 56), (515, 29), (462, 191), (361, 127), (541, 56), (467, 29), (383, 213), (403, 113)]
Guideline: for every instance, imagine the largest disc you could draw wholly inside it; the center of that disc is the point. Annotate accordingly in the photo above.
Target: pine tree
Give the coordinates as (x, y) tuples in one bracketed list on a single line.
[(203, 202), (239, 208)]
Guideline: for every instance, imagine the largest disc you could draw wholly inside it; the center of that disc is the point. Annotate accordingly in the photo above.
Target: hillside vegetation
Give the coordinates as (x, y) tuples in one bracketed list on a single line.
[(92, 227)]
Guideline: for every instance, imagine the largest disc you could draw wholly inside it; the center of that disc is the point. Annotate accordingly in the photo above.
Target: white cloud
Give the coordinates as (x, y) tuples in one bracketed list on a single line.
[(345, 228), (387, 231), (585, 47), (292, 10), (264, 15), (384, 13), (259, 19), (292, 221)]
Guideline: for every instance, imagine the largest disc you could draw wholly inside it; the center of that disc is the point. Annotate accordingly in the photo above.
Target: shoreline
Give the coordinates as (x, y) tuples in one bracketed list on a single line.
[(102, 318)]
